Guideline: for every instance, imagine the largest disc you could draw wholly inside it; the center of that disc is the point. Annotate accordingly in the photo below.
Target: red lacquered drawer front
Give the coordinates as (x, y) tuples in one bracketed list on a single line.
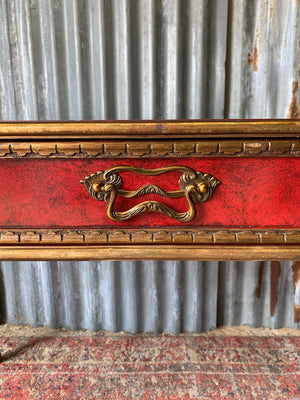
[(161, 201), (256, 192)]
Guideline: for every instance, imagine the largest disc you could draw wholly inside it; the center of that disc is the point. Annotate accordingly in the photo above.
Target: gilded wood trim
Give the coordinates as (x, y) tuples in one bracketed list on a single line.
[(149, 236), (153, 252), (153, 129), (187, 148)]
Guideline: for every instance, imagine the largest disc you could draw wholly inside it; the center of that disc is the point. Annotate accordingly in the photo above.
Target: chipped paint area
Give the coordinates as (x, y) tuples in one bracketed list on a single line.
[(296, 274), (275, 279), (275, 273), (253, 58), (294, 112)]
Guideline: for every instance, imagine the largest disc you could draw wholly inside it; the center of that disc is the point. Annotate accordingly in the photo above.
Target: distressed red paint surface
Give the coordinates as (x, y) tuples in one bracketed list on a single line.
[(255, 192)]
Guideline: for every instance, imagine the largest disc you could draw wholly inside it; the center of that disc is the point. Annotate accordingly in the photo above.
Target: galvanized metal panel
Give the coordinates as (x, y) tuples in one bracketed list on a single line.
[(67, 59), (263, 59), (149, 296)]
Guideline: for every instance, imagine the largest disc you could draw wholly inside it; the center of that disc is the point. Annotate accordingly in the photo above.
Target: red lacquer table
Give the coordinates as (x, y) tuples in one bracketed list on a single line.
[(150, 190)]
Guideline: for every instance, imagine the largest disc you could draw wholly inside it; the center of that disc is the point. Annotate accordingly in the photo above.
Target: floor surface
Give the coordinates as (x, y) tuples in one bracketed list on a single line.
[(82, 365)]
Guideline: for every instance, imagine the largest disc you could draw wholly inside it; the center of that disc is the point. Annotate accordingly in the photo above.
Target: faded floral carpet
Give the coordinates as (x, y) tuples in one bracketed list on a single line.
[(150, 367)]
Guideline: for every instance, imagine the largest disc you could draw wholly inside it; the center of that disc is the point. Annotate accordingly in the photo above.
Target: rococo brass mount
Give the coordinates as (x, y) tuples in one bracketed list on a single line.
[(106, 185)]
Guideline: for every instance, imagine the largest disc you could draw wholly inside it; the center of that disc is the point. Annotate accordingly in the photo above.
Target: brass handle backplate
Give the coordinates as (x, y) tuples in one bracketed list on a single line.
[(106, 185)]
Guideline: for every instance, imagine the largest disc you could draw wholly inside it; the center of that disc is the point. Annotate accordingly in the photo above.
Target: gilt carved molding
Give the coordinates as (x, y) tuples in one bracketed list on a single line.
[(148, 236), (83, 149)]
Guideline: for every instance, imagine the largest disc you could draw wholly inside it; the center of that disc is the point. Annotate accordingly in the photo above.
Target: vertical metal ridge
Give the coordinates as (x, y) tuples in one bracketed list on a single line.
[(47, 298), (244, 290), (171, 60), (216, 57), (262, 302), (123, 82), (94, 66), (192, 297), (108, 289), (129, 297), (19, 28), (69, 65), (89, 297), (147, 53), (208, 311), (7, 95), (8, 295), (236, 53), (64, 281), (197, 73), (150, 296), (171, 296), (284, 313), (44, 60), (226, 284), (73, 58)]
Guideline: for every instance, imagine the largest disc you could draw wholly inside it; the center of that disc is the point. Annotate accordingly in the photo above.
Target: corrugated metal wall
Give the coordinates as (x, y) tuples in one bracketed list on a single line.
[(121, 59)]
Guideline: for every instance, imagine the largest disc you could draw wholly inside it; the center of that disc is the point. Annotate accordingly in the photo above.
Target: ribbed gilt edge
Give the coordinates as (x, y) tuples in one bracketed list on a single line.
[(84, 149), (146, 236)]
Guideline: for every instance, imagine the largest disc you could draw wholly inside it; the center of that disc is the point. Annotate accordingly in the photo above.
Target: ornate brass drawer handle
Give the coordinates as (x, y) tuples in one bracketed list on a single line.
[(106, 185)]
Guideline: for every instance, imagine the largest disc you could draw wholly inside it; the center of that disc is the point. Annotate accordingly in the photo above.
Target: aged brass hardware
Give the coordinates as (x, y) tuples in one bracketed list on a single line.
[(106, 185)]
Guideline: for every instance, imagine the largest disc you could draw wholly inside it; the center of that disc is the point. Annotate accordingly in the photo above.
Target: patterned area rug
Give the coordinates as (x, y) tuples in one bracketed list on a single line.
[(150, 367)]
